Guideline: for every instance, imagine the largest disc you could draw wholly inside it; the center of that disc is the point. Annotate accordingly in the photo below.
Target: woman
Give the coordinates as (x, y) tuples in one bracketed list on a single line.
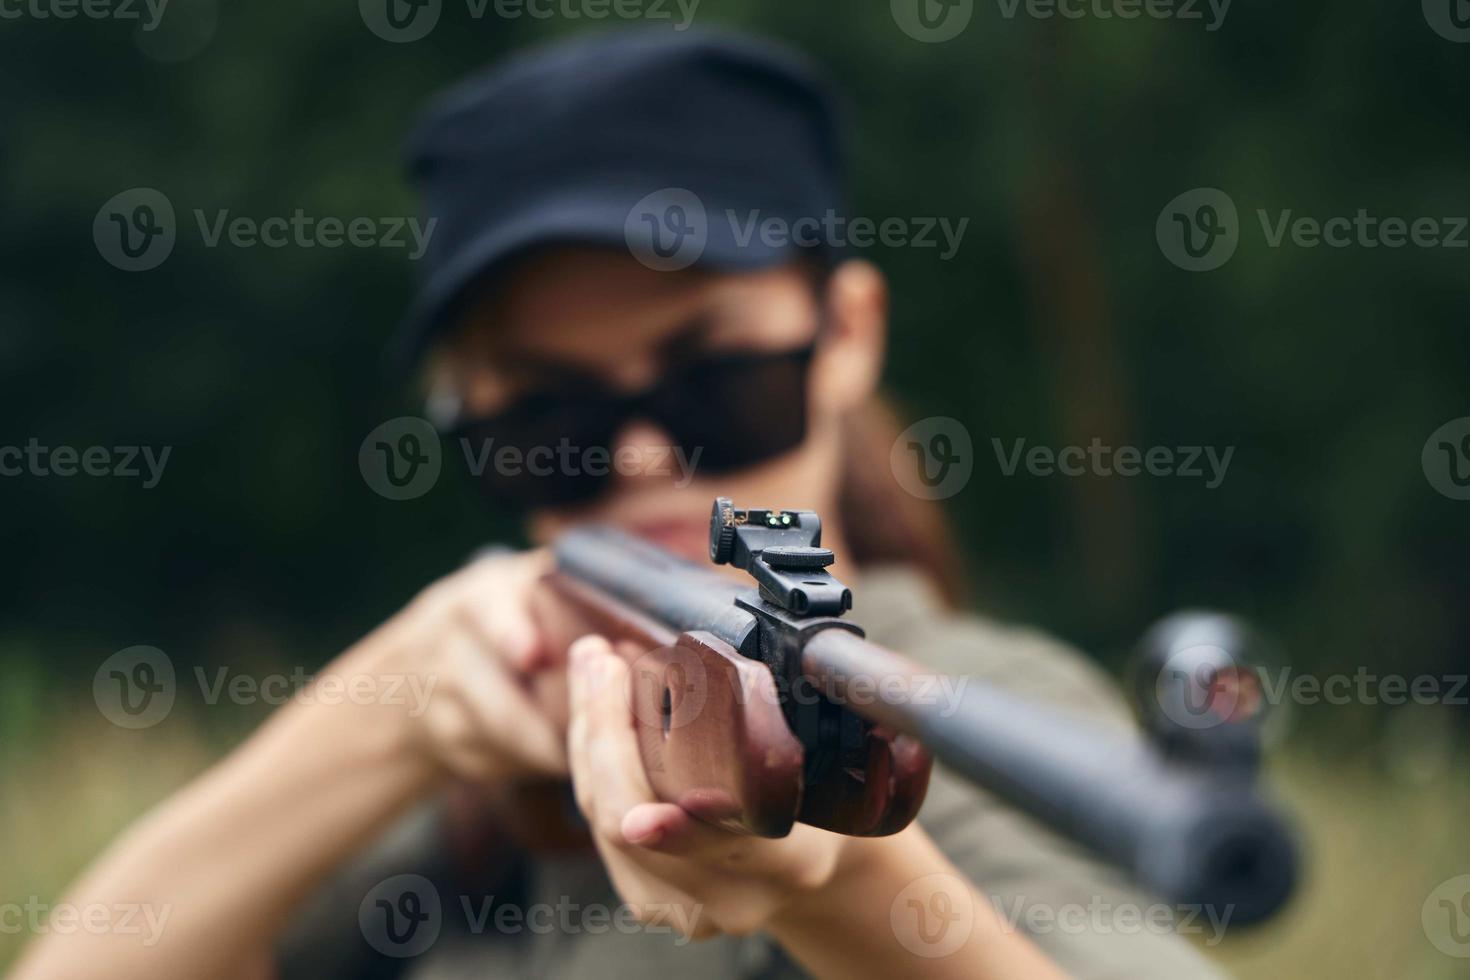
[(565, 306)]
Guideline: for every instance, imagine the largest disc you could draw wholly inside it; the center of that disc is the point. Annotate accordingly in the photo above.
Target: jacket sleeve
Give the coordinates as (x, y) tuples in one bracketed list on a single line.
[(1087, 916), (1084, 915)]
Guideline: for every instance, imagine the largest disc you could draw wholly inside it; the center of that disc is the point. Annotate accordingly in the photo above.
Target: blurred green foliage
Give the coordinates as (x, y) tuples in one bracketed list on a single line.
[(1060, 320)]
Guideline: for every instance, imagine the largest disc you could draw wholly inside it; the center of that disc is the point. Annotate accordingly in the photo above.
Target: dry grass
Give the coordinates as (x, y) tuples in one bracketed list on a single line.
[(1377, 849)]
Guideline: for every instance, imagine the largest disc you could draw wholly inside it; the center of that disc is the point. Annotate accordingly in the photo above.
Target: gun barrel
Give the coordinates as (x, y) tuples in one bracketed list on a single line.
[(1195, 836)]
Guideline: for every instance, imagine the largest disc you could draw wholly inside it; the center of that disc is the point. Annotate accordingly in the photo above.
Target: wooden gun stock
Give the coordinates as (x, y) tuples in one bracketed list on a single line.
[(716, 740)]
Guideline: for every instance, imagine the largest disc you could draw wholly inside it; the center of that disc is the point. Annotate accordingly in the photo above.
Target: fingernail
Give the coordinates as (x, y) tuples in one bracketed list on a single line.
[(642, 829), (642, 834), (590, 660), (651, 838)]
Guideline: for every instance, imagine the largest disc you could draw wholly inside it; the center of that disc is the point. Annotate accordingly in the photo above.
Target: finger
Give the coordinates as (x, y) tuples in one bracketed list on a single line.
[(511, 721), (668, 829), (495, 601), (607, 767), (507, 632), (657, 826), (558, 622)]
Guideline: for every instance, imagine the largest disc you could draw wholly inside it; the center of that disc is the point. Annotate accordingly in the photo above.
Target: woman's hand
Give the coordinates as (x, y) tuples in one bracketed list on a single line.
[(666, 865), (837, 904), (472, 644)]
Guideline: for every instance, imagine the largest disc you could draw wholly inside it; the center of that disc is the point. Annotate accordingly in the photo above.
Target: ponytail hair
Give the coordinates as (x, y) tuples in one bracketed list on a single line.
[(882, 522)]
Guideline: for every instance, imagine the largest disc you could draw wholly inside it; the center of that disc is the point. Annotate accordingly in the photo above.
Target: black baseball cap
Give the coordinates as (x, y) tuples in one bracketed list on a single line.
[(673, 145)]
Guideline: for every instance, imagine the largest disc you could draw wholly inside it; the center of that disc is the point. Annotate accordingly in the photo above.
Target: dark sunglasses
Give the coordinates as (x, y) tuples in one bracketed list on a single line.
[(724, 412)]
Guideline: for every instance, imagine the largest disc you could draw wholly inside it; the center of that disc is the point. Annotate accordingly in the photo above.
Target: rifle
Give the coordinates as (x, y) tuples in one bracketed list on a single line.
[(758, 705)]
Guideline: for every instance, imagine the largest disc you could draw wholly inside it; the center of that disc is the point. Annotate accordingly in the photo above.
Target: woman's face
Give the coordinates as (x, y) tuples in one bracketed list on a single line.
[(600, 314)]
